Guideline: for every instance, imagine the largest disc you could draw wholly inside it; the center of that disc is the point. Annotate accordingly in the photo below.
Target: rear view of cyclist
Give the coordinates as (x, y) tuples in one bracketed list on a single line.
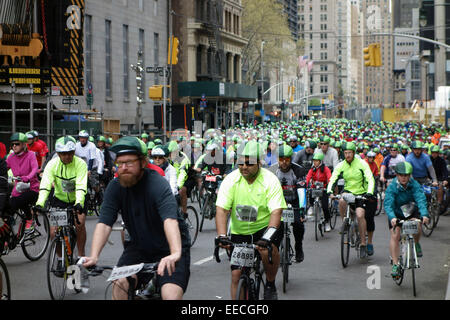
[(402, 191), (68, 174)]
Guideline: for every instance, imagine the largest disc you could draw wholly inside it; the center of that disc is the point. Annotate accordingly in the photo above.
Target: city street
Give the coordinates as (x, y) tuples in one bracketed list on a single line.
[(319, 277)]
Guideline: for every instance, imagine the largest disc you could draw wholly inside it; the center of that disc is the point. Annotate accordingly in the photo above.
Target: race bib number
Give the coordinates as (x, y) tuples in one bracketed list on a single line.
[(126, 271), (246, 213), (58, 218), (215, 171), (410, 227), (68, 186), (242, 256), (288, 215)]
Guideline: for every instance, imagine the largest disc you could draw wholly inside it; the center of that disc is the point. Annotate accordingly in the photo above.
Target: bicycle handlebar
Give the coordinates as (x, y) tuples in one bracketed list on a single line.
[(95, 271), (225, 241)]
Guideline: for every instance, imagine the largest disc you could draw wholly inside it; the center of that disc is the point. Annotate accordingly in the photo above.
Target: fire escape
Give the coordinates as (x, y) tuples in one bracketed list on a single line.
[(212, 26)]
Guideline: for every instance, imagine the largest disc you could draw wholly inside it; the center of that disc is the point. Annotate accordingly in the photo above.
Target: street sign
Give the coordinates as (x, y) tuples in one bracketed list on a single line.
[(69, 101), (56, 91)]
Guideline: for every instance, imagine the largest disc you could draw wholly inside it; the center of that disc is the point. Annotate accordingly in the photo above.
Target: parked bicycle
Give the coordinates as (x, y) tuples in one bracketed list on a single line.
[(408, 255), (211, 185), (247, 257), (62, 252), (5, 285), (350, 236)]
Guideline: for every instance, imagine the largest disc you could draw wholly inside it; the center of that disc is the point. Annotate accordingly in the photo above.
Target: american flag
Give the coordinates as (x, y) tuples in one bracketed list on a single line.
[(310, 65), (302, 60)]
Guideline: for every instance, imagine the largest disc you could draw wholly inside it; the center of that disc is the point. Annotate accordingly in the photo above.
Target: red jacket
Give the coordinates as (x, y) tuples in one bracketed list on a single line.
[(322, 174)]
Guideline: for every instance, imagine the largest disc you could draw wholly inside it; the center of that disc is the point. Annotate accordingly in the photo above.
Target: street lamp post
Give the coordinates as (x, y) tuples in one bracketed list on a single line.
[(427, 65), (262, 81)]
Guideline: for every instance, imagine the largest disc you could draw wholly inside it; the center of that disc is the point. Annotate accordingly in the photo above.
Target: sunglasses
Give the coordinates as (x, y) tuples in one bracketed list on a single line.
[(158, 157), (247, 163), (14, 144)]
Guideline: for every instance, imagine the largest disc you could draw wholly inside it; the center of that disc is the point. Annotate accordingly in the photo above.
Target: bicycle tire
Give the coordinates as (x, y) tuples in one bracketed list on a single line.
[(192, 222), (229, 251), (345, 244), (427, 230), (380, 201), (55, 280), (4, 282), (412, 265), (30, 249), (201, 198), (203, 211), (333, 217), (243, 289)]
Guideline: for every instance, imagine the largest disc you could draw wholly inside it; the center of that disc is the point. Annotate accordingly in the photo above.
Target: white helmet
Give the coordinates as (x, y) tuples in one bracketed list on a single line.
[(65, 144)]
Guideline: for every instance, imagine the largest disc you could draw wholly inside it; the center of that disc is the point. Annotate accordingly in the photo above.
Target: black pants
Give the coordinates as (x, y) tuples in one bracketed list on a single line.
[(24, 202), (324, 202)]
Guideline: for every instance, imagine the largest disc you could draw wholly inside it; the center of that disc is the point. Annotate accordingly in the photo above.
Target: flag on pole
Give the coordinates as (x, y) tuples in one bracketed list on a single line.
[(302, 60), (310, 65)]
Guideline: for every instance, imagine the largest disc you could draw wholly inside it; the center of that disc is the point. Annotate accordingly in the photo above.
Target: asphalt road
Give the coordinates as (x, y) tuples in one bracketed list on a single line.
[(319, 277)]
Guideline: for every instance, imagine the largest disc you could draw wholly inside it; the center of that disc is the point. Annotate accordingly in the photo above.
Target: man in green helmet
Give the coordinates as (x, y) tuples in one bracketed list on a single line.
[(254, 199)]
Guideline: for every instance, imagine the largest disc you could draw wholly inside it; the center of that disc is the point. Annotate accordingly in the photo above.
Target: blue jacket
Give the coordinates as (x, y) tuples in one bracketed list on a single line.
[(397, 196)]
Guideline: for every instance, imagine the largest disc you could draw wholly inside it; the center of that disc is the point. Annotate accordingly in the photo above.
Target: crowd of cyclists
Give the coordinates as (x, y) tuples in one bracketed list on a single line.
[(263, 166)]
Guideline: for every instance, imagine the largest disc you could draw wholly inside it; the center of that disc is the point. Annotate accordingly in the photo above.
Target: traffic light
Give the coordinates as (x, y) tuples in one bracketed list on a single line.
[(156, 92), (372, 55), (173, 51)]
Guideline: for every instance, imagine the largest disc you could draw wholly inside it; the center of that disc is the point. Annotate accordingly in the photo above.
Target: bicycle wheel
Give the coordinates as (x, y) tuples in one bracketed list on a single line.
[(204, 211), (412, 264), (285, 259), (229, 251), (379, 203), (317, 221), (427, 229), (333, 216), (191, 219), (243, 289), (56, 270), (5, 285), (345, 244), (36, 243)]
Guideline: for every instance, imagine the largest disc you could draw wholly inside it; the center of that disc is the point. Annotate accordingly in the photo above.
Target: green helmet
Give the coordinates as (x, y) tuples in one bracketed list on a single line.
[(416, 144), (110, 140), (19, 136), (144, 136), (285, 151), (91, 139), (172, 146), (150, 145), (157, 141), (129, 145), (160, 151), (338, 144), (403, 168), (349, 146), (435, 148), (65, 144), (252, 149), (310, 144), (30, 134), (101, 138), (318, 156)]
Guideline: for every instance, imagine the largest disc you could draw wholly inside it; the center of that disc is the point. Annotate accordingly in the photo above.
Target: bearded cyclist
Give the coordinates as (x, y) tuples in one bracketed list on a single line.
[(290, 175), (68, 174), (150, 213), (358, 181), (421, 163), (254, 198)]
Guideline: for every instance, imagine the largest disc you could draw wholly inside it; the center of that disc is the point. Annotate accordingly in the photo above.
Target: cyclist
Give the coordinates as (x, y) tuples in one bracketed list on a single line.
[(293, 142), (331, 157), (290, 175), (150, 213), (440, 167), (24, 166), (38, 147), (421, 163), (358, 181), (320, 173), (160, 156), (108, 162), (370, 159), (68, 174), (86, 150), (304, 157), (403, 190), (214, 159), (389, 163), (254, 198)]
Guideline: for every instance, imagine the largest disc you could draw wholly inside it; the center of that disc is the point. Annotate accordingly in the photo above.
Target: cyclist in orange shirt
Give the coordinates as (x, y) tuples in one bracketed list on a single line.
[(378, 158)]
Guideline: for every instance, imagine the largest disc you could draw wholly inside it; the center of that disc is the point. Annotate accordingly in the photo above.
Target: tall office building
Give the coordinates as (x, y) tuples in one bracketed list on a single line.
[(291, 11)]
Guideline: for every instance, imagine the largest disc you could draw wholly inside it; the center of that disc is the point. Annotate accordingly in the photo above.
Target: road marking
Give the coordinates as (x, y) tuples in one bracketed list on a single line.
[(200, 262)]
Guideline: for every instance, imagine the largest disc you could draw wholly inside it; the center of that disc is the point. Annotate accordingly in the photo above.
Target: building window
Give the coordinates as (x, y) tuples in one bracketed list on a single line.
[(108, 60), (126, 62), (155, 8), (88, 48)]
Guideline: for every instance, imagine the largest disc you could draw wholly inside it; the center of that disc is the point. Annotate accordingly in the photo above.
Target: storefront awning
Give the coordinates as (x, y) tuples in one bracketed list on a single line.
[(217, 90)]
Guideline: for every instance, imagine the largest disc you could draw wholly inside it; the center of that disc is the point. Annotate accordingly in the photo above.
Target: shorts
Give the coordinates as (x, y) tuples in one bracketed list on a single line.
[(133, 255), (190, 183), (253, 238)]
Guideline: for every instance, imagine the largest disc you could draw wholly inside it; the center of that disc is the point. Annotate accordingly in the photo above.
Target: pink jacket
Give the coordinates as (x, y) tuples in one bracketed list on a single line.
[(25, 166)]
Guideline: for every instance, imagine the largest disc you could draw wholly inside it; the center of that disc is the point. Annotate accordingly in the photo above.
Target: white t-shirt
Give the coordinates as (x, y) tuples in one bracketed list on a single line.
[(87, 152)]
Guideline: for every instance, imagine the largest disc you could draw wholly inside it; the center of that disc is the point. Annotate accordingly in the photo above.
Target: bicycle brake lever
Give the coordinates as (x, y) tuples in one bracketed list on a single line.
[(216, 253)]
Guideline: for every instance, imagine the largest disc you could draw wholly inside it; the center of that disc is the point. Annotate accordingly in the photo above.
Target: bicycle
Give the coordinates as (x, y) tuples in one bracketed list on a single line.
[(33, 243), (62, 251), (94, 198), (5, 284), (408, 255), (211, 185), (147, 290), (350, 233), (247, 257), (286, 250), (319, 220), (433, 208)]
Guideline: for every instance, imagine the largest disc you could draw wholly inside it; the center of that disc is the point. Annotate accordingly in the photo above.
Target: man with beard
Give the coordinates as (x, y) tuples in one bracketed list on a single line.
[(150, 213), (304, 157)]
